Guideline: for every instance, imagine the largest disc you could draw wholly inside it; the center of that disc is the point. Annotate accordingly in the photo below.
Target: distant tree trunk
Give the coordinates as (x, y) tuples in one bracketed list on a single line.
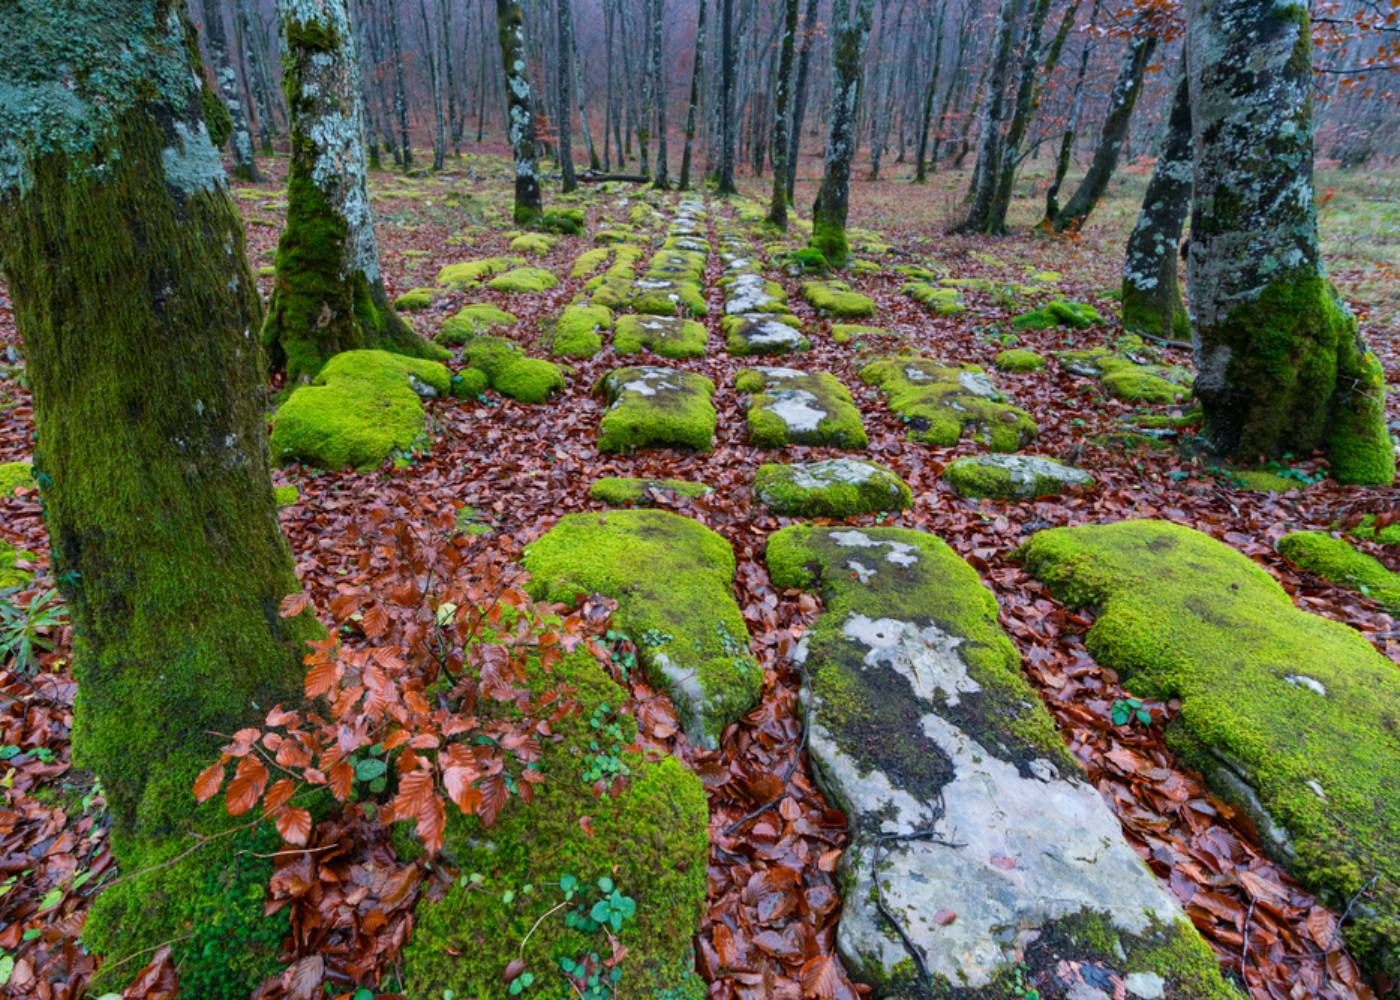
[(849, 32), (957, 85), (1281, 366), (254, 77), (663, 179), (726, 99), (455, 121), (566, 93), (989, 142), (580, 95), (481, 76), (1076, 107), (610, 98), (124, 258), (920, 163), (435, 85), (692, 108), (799, 108), (400, 101), (245, 167), (777, 204), (648, 80), (510, 24), (329, 294), (1152, 301), (1120, 111)]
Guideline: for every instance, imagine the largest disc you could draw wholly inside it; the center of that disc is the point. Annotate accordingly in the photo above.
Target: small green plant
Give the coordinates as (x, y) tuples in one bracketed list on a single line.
[(1125, 710), (623, 652), (25, 628), (606, 762), (1021, 987), (731, 644)]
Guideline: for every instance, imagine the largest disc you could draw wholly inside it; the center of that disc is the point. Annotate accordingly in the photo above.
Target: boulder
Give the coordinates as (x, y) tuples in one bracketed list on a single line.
[(941, 403), (763, 333), (620, 492), (837, 487), (666, 336), (788, 406), (651, 406), (1013, 477), (836, 298)]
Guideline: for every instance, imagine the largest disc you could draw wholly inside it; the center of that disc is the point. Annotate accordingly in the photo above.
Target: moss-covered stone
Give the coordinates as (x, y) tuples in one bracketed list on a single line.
[(578, 332), (621, 492), (1018, 359), (533, 244), (649, 840), (417, 298), (468, 274), (938, 300), (650, 407), (838, 487), (613, 288), (752, 293), (588, 262), (521, 280), (672, 579), (1337, 561), (1387, 534), (15, 476), (763, 333), (12, 575), (836, 298), (1060, 312), (569, 221), (286, 496), (666, 336), (510, 372), (844, 333), (1013, 477), (363, 406), (796, 407), (940, 403), (1288, 715), (1127, 379), (471, 320)]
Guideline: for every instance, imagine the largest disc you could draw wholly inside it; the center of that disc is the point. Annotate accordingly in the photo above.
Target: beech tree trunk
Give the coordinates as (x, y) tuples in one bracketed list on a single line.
[(253, 60), (1076, 106), (435, 88), (778, 202), (726, 98), (1152, 302), (663, 179), (989, 142), (648, 80), (580, 93), (510, 24), (799, 109), (400, 101), (329, 294), (566, 94), (920, 161), (849, 32), (240, 138), (1281, 366), (693, 106), (1120, 111), (124, 258)]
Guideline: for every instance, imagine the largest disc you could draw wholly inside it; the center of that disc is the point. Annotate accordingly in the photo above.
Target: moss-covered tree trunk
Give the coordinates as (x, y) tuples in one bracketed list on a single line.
[(1152, 301), (124, 257), (240, 136), (849, 31), (692, 109), (725, 107), (329, 295), (1115, 128), (778, 201), (1281, 366), (510, 28)]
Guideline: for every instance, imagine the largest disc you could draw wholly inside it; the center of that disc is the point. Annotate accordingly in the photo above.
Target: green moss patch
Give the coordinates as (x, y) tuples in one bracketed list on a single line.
[(672, 579), (620, 492), (1013, 477), (15, 476), (569, 221), (666, 336), (521, 280), (588, 262), (1060, 312), (533, 244), (747, 292), (1337, 561), (1288, 714), (648, 842), (845, 333), (1388, 534), (838, 487), (363, 406), (613, 288), (469, 274), (941, 403), (510, 372), (417, 298), (796, 407), (12, 576), (836, 298), (1127, 379), (578, 332), (762, 333), (651, 407), (471, 320), (936, 299), (1019, 359)]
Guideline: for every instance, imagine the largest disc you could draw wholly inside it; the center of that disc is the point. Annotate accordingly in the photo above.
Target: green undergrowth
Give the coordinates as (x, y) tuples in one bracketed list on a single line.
[(15, 476), (1388, 534)]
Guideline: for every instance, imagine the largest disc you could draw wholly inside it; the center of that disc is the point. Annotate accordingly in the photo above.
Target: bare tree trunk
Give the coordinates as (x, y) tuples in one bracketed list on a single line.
[(696, 74), (400, 101), (435, 84), (1120, 110), (778, 202), (726, 100), (254, 77), (920, 163), (510, 26), (245, 167), (849, 32), (564, 66), (1076, 107), (989, 142), (481, 77), (455, 121), (610, 97), (799, 110), (663, 180), (581, 96)]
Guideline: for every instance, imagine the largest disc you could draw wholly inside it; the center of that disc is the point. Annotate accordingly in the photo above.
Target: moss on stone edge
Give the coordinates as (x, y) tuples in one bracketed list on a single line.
[(839, 487), (1013, 477), (11, 576), (1060, 312), (1367, 530), (534, 244), (939, 301), (470, 320), (588, 261), (836, 298), (1123, 378), (523, 279), (798, 407), (665, 336), (650, 839), (844, 333), (1018, 359), (417, 298), (1336, 561), (577, 334), (1184, 616), (763, 333), (939, 403), (510, 372), (672, 578), (359, 409), (622, 492), (14, 475), (468, 274), (656, 407)]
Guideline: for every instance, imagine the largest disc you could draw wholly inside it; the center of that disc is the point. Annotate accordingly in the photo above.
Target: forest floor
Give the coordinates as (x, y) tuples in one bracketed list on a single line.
[(519, 467)]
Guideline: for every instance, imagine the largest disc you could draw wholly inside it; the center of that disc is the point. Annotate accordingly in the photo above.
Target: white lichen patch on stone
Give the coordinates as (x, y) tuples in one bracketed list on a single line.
[(749, 293), (900, 553), (979, 385), (798, 409), (925, 655), (813, 475)]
